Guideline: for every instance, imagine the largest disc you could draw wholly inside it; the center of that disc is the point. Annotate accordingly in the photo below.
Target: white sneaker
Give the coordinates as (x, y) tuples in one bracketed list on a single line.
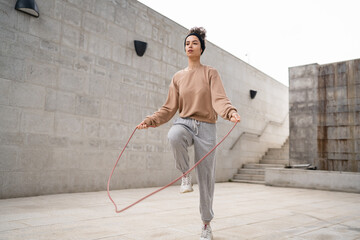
[(186, 185), (206, 233)]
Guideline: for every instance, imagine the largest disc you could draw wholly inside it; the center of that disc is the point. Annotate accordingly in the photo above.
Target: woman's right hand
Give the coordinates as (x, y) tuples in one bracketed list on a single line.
[(142, 125)]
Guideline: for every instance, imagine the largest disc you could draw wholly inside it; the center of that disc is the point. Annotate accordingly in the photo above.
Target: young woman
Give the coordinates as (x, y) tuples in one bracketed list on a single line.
[(198, 93)]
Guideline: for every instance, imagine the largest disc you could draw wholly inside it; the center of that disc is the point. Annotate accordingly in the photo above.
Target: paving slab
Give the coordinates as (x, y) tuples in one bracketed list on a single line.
[(242, 211)]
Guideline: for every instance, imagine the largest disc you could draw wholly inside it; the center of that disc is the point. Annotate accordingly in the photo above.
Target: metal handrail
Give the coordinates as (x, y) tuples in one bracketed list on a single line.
[(262, 131)]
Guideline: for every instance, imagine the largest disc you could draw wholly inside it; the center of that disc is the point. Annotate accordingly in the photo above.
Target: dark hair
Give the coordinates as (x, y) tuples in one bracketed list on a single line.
[(198, 30), (200, 33)]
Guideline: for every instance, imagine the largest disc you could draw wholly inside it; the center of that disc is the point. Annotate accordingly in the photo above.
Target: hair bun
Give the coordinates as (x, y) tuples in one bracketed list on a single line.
[(198, 30)]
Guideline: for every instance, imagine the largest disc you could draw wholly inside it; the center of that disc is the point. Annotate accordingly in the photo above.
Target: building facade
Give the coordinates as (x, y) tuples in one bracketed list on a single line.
[(72, 89)]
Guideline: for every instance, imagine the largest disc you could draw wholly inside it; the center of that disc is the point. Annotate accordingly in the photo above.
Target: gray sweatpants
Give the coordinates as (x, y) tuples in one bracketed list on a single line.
[(187, 132)]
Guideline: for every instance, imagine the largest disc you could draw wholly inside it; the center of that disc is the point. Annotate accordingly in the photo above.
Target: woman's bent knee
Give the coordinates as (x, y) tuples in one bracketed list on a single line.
[(177, 135)]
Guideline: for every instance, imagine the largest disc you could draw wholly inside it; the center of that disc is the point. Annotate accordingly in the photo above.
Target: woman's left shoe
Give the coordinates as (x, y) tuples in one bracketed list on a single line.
[(206, 233), (186, 185)]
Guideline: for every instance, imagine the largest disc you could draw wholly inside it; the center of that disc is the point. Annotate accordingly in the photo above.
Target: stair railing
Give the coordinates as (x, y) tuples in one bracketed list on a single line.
[(261, 132)]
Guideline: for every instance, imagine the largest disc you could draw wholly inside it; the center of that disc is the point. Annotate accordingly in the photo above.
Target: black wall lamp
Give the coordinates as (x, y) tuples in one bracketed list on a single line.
[(27, 6), (140, 47), (252, 94)]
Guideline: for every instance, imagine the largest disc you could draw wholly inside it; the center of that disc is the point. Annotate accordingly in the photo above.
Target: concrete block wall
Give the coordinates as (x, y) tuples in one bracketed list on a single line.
[(72, 89), (303, 116), (324, 115)]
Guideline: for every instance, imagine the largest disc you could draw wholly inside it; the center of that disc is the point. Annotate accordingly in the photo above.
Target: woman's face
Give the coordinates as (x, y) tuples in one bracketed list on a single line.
[(193, 46)]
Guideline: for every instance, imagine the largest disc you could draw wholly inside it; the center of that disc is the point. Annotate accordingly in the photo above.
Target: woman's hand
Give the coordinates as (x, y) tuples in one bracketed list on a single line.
[(142, 125), (235, 117)]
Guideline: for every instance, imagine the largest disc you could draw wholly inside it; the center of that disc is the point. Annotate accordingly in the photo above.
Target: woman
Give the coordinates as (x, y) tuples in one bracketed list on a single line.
[(198, 93)]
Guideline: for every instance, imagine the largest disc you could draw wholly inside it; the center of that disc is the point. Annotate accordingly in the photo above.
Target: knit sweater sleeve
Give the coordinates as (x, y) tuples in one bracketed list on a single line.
[(168, 110), (220, 101)]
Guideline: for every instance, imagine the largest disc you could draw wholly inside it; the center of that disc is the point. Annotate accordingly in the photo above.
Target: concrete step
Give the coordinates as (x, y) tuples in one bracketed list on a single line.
[(247, 181), (251, 171), (262, 166), (251, 177), (277, 154), (282, 149), (275, 161)]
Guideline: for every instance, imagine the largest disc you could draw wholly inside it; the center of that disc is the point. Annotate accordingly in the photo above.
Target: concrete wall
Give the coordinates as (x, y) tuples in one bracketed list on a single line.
[(72, 89), (303, 114), (324, 115)]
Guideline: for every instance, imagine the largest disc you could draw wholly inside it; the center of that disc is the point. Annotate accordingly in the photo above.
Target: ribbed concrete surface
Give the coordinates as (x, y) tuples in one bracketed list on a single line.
[(243, 211)]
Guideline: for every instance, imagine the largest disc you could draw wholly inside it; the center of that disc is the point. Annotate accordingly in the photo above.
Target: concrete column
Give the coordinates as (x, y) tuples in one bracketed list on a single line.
[(303, 114)]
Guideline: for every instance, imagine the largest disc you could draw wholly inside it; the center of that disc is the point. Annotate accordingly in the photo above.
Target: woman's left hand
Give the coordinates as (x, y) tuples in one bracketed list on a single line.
[(235, 117)]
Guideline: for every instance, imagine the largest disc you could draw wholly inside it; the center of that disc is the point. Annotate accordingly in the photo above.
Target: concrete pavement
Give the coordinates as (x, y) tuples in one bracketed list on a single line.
[(242, 211)]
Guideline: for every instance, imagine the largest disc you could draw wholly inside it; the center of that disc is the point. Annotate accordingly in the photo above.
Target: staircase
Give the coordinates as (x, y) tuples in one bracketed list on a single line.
[(255, 172)]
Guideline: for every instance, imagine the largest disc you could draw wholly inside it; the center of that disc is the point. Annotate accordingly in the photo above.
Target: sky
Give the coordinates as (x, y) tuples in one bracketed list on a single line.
[(273, 35)]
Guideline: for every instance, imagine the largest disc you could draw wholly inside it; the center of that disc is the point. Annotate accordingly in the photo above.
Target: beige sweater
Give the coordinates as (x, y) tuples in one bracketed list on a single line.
[(198, 94)]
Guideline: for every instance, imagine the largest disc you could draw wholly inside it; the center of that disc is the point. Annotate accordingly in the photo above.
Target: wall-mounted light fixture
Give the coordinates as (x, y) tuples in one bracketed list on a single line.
[(140, 47), (252, 94), (27, 6)]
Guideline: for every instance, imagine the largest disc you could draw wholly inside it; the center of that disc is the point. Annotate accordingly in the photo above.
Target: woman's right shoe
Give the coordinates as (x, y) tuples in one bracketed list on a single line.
[(206, 233)]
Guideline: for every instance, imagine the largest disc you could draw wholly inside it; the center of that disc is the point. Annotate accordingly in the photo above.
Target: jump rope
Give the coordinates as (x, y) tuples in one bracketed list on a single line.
[(160, 189)]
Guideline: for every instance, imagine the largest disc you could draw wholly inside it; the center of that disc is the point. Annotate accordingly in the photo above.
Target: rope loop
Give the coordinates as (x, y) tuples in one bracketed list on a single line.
[(162, 188)]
